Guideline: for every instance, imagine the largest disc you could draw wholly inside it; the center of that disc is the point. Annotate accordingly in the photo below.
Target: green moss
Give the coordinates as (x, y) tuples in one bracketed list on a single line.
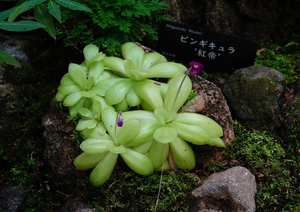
[(264, 156)]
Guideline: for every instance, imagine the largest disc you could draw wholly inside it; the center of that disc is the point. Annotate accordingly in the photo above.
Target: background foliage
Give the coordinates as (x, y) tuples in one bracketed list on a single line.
[(113, 22)]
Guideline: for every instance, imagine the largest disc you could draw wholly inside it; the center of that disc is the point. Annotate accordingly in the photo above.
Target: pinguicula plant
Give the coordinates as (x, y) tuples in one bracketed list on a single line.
[(101, 87)]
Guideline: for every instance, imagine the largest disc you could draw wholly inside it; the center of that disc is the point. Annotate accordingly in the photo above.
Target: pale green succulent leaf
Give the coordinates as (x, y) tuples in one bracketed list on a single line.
[(89, 52), (138, 162), (183, 154), (95, 69), (165, 134), (136, 55), (125, 48), (150, 59), (103, 170), (143, 148), (109, 116), (68, 89), (191, 133), (74, 109), (91, 124), (212, 127), (116, 149), (88, 161), (81, 124), (98, 57), (158, 153), (216, 141), (101, 128), (88, 94), (117, 93), (94, 145), (164, 70), (86, 113), (67, 80), (72, 99), (77, 74), (128, 131), (149, 92), (183, 94), (116, 65), (161, 115), (121, 106), (133, 99), (59, 97), (148, 127)]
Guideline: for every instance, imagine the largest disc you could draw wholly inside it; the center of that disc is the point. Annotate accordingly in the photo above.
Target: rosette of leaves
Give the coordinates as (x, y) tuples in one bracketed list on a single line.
[(77, 88), (90, 125), (175, 129), (137, 66), (102, 153)]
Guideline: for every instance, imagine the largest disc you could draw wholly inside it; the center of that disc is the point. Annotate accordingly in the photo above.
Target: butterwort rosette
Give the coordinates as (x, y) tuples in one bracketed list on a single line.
[(123, 132)]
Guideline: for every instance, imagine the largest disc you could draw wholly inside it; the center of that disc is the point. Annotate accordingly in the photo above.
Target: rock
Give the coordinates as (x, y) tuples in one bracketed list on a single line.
[(60, 150), (210, 102), (232, 190), (75, 206), (242, 18), (10, 90), (12, 198), (254, 95)]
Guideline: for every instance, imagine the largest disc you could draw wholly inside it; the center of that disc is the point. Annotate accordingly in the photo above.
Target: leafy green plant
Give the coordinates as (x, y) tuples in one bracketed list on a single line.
[(43, 9), (102, 86), (113, 23)]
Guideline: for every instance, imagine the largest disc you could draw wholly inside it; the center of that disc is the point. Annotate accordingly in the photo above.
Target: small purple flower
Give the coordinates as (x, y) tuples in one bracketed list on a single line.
[(195, 67), (119, 119)]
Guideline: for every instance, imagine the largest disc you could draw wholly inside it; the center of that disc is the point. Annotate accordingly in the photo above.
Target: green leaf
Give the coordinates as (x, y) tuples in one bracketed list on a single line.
[(17, 11), (54, 10), (4, 14), (42, 15), (165, 134), (26, 5), (128, 131), (116, 149), (20, 26), (73, 5), (4, 56)]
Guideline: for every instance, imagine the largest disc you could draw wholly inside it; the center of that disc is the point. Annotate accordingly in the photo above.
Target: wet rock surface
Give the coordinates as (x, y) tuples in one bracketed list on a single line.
[(12, 198), (254, 95), (242, 18), (229, 191), (60, 150)]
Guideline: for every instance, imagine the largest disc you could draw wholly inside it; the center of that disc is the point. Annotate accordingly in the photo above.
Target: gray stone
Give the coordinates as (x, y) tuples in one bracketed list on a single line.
[(241, 17), (60, 150), (12, 198), (210, 102), (230, 191), (254, 95), (75, 206)]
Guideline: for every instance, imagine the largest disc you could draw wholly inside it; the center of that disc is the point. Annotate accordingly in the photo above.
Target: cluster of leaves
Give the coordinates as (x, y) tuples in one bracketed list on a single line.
[(284, 59), (113, 23), (264, 156), (43, 9)]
